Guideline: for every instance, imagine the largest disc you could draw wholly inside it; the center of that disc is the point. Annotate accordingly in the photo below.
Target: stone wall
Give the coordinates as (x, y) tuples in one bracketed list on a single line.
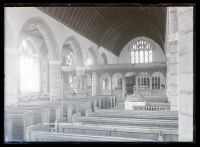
[(10, 66), (55, 80)]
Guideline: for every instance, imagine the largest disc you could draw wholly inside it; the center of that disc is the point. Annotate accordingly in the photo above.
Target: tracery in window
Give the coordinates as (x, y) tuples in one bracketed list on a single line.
[(158, 81), (141, 52), (143, 81)]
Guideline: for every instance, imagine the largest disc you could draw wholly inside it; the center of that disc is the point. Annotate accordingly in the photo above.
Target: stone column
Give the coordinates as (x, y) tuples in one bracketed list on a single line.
[(55, 80), (180, 67), (44, 75), (185, 73), (172, 58)]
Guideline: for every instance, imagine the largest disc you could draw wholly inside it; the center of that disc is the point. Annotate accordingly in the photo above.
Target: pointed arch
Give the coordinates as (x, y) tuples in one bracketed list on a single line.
[(91, 53), (75, 46), (39, 24), (103, 59)]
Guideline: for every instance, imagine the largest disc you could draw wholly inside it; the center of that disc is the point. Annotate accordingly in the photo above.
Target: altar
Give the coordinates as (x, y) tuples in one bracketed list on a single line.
[(133, 101)]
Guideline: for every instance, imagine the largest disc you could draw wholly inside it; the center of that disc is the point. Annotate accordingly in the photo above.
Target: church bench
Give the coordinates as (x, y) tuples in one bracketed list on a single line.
[(37, 136), (50, 111), (72, 105), (121, 131), (131, 114), (34, 134), (15, 124), (127, 121), (36, 114), (137, 112)]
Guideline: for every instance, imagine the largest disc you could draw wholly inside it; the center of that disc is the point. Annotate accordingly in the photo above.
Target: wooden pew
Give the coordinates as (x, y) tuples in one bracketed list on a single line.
[(17, 120), (16, 123), (50, 111), (34, 135), (127, 121), (72, 105), (151, 133), (163, 115)]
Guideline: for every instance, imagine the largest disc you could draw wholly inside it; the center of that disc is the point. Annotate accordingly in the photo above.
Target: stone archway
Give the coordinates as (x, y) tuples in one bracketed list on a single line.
[(37, 26), (75, 46), (103, 59), (91, 53), (38, 23)]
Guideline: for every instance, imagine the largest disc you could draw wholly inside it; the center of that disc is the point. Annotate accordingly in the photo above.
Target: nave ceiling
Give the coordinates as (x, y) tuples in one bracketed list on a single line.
[(113, 27)]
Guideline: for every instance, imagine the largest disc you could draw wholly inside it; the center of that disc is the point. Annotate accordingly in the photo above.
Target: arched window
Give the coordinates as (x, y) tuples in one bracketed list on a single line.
[(29, 69), (143, 81), (158, 81), (103, 59), (90, 59), (70, 60), (141, 52)]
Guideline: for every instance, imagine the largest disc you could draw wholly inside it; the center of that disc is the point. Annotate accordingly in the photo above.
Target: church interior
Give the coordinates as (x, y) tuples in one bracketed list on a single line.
[(98, 74)]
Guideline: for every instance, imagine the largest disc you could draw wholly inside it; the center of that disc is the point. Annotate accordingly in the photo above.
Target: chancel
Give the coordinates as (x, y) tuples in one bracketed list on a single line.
[(98, 74)]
